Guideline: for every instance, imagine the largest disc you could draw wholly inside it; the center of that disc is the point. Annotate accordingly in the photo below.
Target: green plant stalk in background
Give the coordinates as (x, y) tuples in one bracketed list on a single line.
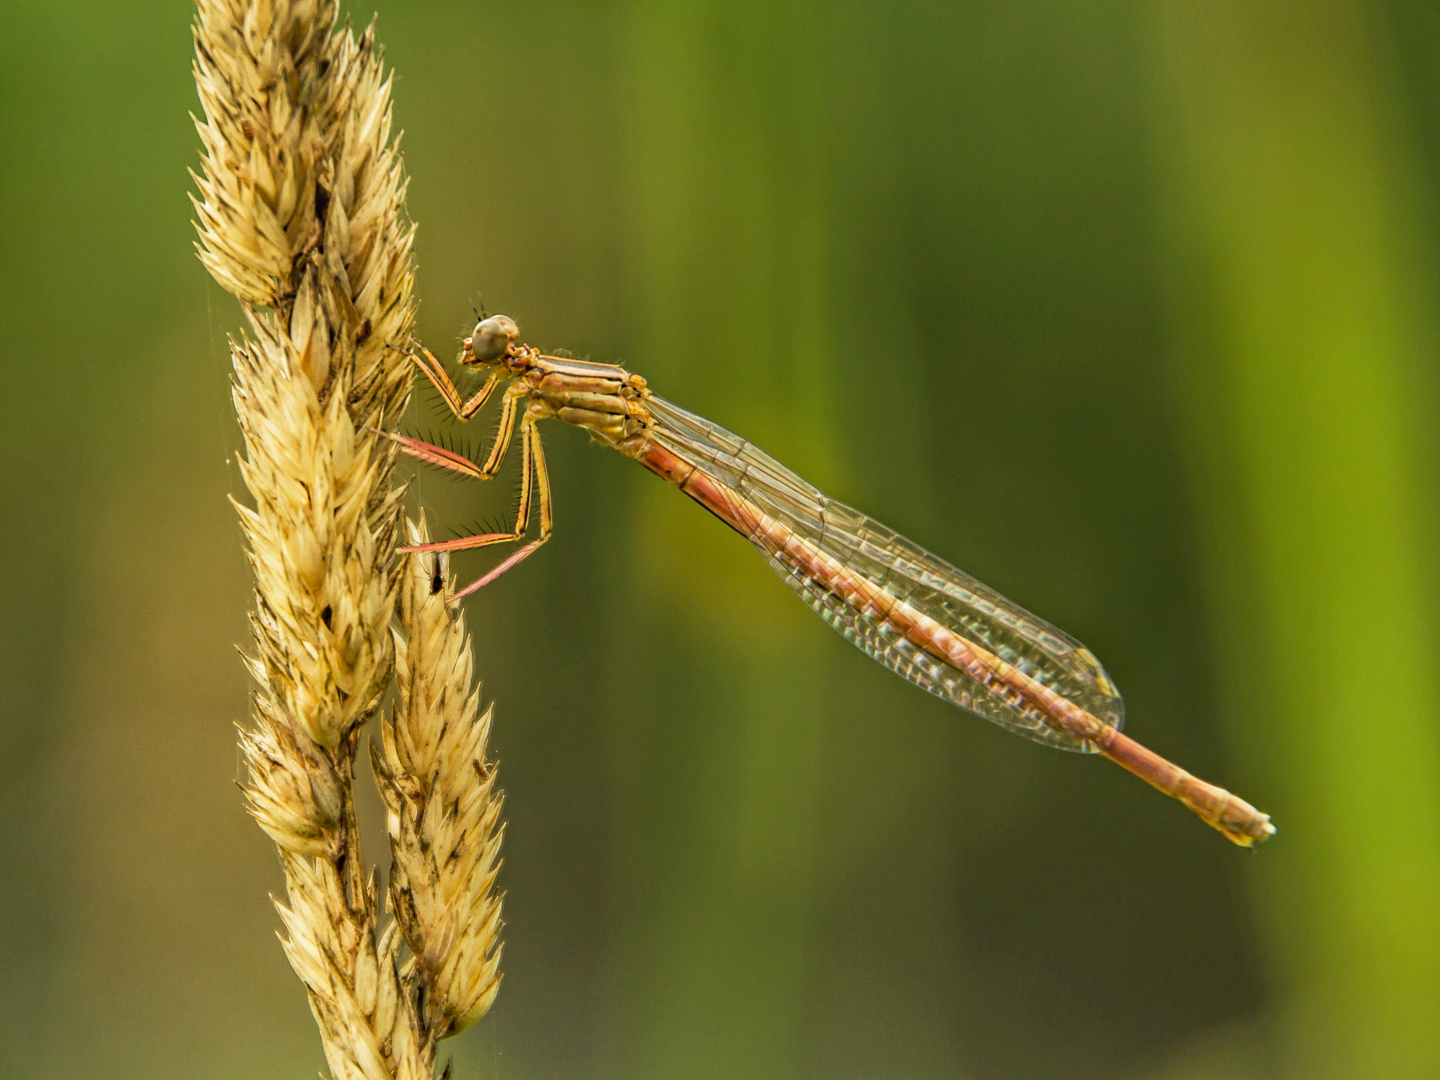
[(1304, 364), (725, 158)]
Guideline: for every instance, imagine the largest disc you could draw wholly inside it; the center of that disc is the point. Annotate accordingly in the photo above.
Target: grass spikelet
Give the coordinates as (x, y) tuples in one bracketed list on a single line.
[(444, 809), (300, 214)]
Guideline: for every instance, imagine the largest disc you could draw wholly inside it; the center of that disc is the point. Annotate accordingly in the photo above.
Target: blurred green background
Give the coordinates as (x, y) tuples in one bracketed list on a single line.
[(1127, 308)]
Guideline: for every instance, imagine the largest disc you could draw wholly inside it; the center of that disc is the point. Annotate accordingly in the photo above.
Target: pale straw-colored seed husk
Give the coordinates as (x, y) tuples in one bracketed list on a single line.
[(301, 215), (444, 809)]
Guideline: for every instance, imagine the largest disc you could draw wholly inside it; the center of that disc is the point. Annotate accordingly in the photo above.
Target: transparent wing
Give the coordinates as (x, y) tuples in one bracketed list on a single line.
[(909, 573)]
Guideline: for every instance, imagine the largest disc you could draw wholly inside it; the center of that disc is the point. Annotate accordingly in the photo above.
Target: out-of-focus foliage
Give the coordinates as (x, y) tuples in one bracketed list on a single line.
[(1128, 309)]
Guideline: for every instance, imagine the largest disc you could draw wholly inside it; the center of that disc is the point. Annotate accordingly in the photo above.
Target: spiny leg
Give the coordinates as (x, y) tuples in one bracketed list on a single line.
[(505, 429), (529, 442), (438, 455), (532, 464), (534, 454), (448, 459), (462, 543), (477, 402), (435, 455), (435, 372)]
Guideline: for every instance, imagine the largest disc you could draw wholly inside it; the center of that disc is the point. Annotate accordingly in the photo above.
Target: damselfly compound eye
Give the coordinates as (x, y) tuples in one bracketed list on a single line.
[(489, 340)]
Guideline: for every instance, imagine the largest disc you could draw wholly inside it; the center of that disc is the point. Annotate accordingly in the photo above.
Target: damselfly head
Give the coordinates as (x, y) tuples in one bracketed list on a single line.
[(488, 342)]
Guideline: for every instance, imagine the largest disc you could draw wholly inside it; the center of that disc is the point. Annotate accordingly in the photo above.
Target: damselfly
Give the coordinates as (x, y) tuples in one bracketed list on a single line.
[(912, 611)]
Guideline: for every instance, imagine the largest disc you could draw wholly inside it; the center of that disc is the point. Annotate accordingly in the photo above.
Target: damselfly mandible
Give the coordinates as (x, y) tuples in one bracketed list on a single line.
[(915, 613)]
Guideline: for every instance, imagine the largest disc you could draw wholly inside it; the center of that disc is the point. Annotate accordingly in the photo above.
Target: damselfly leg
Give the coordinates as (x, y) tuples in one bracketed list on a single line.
[(531, 449), (534, 479), (435, 372)]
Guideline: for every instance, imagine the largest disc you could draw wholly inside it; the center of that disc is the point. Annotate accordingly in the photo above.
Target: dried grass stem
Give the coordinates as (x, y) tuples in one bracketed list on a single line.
[(300, 214)]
